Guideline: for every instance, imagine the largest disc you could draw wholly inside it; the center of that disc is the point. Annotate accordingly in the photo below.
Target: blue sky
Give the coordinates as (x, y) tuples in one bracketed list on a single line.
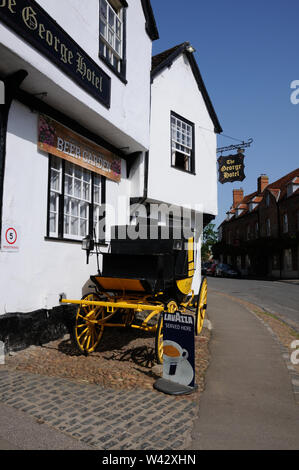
[(248, 55)]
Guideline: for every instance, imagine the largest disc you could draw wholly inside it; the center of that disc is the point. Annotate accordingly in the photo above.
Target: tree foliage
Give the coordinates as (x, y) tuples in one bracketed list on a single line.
[(209, 238)]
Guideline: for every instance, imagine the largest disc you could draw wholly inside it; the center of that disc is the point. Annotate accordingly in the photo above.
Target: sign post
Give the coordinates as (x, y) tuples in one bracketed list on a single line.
[(178, 355)]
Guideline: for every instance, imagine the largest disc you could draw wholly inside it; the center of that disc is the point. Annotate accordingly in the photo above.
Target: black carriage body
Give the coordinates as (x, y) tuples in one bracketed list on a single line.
[(155, 265)]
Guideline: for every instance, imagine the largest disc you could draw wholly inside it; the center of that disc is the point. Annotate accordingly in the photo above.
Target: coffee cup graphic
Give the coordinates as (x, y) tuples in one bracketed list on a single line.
[(173, 355)]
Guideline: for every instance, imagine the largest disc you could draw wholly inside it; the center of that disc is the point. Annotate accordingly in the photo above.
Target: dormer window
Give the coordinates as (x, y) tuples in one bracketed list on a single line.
[(112, 27), (292, 186)]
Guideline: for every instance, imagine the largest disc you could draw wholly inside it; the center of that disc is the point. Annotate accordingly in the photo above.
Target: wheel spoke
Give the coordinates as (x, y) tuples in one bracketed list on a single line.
[(88, 340), (82, 333), (87, 331)]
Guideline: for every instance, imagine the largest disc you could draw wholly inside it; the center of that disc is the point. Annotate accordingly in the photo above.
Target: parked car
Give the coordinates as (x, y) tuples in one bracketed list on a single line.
[(205, 266), (211, 270), (226, 270)]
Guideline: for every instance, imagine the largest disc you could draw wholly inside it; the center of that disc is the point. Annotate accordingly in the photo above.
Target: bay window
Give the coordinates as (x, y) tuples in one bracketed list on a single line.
[(75, 200)]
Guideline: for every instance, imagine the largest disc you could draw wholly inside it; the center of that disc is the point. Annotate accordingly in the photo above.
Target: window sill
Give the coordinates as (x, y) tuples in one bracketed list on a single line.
[(184, 171), (72, 241), (119, 75)]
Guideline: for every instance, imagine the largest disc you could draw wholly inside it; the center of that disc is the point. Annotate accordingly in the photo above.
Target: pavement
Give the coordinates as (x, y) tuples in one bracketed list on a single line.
[(250, 401), (252, 392), (89, 416)]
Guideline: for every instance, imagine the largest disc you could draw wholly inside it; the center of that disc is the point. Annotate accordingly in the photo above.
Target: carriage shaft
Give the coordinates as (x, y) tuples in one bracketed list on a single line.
[(120, 304)]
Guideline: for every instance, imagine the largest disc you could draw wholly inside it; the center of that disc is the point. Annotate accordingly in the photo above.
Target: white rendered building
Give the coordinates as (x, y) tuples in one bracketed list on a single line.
[(86, 125), (77, 83), (182, 164)]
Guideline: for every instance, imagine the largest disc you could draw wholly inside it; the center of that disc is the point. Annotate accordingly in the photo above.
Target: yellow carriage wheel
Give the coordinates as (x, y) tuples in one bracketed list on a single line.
[(87, 330), (201, 305), (171, 307), (159, 340)]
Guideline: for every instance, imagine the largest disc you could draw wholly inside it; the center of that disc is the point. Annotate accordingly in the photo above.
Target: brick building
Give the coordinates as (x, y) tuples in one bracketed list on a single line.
[(261, 232)]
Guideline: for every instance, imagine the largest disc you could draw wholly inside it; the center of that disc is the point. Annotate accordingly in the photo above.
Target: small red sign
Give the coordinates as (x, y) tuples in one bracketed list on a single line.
[(11, 236)]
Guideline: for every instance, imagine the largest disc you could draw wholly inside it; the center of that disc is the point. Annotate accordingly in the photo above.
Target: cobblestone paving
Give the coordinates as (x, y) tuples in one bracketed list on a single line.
[(105, 419)]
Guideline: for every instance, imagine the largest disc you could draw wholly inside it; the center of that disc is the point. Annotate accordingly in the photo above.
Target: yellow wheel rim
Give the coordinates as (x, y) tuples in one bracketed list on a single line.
[(159, 341), (202, 305), (88, 331)]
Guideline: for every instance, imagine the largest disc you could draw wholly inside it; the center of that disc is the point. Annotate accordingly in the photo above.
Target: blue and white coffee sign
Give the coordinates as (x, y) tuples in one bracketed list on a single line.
[(178, 348)]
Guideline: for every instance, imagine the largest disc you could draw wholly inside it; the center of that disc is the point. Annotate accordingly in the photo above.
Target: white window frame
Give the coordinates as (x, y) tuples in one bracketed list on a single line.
[(182, 141), (71, 200), (77, 187), (111, 33), (55, 192), (97, 204)]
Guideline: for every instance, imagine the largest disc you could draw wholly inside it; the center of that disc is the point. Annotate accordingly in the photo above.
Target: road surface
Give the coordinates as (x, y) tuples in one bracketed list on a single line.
[(275, 297)]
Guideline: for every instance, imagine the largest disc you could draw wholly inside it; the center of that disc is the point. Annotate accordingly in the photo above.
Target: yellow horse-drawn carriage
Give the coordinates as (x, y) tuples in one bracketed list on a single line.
[(149, 276)]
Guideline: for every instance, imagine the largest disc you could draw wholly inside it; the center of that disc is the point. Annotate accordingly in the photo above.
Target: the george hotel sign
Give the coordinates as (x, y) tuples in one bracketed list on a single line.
[(31, 22), (231, 168)]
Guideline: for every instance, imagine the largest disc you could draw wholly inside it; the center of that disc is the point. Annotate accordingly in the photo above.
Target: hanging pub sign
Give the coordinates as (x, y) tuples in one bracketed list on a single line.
[(35, 25), (58, 140), (231, 168)]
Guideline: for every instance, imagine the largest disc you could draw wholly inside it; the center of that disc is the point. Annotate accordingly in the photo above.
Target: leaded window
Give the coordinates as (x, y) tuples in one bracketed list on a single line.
[(112, 27), (75, 201), (182, 144)]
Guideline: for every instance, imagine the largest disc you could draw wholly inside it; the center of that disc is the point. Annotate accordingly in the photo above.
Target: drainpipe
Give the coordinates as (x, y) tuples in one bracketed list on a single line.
[(11, 84)]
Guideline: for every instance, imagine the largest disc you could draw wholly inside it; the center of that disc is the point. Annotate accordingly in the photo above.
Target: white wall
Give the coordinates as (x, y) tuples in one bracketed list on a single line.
[(34, 277), (175, 89), (129, 112)]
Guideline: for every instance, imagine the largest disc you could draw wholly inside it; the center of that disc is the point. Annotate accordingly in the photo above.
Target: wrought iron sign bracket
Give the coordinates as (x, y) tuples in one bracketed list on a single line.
[(240, 147)]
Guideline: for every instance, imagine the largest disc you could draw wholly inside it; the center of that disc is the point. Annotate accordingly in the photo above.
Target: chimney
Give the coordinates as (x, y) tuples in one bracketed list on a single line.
[(238, 196), (262, 183)]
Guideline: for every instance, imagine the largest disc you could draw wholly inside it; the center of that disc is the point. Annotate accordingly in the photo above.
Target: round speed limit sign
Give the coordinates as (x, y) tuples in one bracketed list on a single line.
[(11, 236)]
